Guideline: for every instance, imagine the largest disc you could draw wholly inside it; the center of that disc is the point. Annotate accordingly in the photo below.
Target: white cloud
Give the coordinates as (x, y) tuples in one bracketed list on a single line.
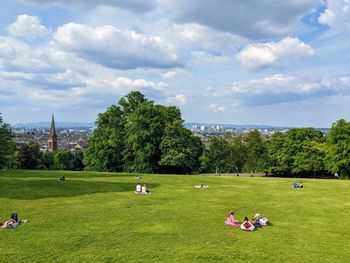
[(287, 50), (283, 88), (336, 15), (205, 58), (217, 108), (254, 19), (28, 27), (114, 48), (179, 99), (169, 74), (132, 5)]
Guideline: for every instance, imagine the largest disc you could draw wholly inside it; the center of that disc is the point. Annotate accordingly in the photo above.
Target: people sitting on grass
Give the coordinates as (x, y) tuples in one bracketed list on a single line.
[(294, 185), (247, 225), (231, 220), (138, 188), (12, 222), (144, 189), (300, 185), (260, 221), (62, 178), (201, 186)]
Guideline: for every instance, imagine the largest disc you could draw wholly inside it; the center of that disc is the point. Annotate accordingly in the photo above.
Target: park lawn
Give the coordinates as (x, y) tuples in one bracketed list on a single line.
[(96, 217)]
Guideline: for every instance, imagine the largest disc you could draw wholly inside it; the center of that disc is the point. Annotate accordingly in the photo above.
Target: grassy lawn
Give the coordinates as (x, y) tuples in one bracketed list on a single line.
[(96, 217)]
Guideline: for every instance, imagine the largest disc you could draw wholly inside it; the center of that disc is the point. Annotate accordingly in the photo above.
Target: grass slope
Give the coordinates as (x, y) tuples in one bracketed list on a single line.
[(95, 217)]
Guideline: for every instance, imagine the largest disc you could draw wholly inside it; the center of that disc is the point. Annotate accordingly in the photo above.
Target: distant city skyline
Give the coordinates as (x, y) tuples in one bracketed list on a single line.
[(286, 63)]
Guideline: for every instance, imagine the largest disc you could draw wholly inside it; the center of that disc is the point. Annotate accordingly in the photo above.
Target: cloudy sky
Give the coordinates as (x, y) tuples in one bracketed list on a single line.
[(224, 61)]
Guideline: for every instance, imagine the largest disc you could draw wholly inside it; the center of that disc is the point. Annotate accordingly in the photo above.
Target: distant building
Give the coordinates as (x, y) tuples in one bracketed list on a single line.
[(52, 140)]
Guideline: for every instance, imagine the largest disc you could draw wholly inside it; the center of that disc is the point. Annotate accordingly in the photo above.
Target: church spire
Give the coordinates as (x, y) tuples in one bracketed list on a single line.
[(52, 140), (53, 128)]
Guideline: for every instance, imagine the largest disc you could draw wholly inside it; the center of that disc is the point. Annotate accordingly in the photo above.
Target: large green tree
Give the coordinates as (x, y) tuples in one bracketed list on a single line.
[(7, 146), (180, 149), (256, 152), (128, 136), (29, 155), (338, 148), (298, 152)]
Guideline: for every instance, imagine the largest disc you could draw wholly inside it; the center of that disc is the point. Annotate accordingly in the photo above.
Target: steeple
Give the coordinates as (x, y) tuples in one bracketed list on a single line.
[(52, 140)]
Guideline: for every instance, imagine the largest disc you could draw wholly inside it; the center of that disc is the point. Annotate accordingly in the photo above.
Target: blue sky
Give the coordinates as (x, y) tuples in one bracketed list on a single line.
[(224, 61)]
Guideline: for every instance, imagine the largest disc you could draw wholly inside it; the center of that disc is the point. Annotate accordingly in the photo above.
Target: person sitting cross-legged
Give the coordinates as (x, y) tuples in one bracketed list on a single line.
[(138, 189), (231, 220), (247, 225)]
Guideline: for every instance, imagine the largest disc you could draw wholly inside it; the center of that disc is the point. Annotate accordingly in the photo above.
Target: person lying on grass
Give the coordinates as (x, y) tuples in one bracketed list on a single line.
[(260, 221), (201, 186), (247, 225), (12, 222), (231, 220), (62, 179)]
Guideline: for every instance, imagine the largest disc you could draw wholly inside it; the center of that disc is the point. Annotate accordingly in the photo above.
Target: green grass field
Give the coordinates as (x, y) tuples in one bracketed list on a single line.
[(96, 217)]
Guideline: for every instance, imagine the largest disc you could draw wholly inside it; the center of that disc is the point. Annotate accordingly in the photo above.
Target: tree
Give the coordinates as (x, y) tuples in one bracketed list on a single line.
[(128, 137), (298, 152), (256, 151), (338, 148), (238, 152), (219, 155), (107, 143), (7, 146), (63, 160), (29, 155), (180, 149), (47, 160)]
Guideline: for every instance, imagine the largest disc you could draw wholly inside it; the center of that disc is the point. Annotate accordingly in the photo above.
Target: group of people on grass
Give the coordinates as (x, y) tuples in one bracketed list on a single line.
[(247, 225), (142, 189), (295, 185), (13, 221)]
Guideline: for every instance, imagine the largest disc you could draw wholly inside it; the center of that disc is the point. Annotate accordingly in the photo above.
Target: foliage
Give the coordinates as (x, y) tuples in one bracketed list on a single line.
[(128, 137), (63, 160), (338, 148), (29, 155), (7, 146), (180, 150), (298, 152)]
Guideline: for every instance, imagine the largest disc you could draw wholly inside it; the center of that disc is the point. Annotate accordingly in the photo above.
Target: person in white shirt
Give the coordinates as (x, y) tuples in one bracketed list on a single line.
[(138, 188)]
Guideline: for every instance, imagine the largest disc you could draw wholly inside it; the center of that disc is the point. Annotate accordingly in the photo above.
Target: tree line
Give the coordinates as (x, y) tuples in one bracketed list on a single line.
[(139, 136)]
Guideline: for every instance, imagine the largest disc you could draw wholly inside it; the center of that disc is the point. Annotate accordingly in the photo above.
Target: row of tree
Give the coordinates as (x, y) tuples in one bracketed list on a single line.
[(137, 135), (297, 152)]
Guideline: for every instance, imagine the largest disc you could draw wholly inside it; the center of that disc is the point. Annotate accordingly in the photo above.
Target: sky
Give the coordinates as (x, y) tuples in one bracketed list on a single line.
[(282, 63)]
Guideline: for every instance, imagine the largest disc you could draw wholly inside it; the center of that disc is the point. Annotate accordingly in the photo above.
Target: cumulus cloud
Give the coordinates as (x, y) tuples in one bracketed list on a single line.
[(208, 59), (255, 56), (115, 48), (179, 99), (336, 15), (132, 5), (282, 88), (216, 108), (252, 19), (28, 27)]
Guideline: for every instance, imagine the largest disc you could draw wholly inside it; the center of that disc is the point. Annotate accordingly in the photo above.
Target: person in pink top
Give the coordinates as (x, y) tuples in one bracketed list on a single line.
[(230, 220)]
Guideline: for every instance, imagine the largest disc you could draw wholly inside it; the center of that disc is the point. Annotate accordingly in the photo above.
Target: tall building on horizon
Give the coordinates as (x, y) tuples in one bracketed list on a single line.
[(52, 140)]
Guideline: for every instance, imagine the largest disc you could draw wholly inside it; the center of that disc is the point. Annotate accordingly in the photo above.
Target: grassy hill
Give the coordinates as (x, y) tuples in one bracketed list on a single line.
[(95, 217)]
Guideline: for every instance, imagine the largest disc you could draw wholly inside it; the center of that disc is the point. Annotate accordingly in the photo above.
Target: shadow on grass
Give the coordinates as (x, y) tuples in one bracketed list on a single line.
[(14, 188)]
